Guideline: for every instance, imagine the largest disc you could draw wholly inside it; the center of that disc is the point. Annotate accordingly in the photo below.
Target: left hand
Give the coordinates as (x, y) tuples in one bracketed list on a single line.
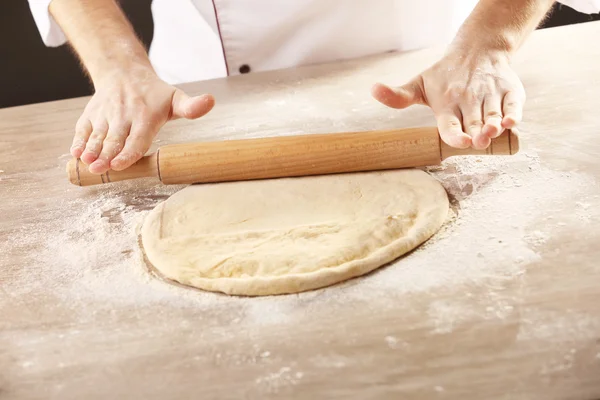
[(474, 96)]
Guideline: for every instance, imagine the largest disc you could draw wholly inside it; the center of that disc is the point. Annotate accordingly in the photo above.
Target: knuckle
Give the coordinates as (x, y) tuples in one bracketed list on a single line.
[(118, 130), (81, 123), (78, 143), (113, 141), (111, 151), (452, 124), (137, 154), (91, 107), (131, 155), (93, 143), (81, 133), (471, 95), (89, 148), (493, 114), (145, 114), (100, 126), (117, 117), (137, 102), (454, 92), (96, 136), (138, 135), (475, 123)]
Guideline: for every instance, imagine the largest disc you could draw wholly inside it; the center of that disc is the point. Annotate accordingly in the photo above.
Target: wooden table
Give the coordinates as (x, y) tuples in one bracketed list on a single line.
[(503, 303)]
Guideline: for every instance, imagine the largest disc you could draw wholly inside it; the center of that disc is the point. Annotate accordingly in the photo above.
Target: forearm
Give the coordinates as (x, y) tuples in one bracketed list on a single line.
[(102, 37), (501, 25)]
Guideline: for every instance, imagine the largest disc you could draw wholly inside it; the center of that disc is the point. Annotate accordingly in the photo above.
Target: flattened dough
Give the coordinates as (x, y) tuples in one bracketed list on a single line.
[(290, 235)]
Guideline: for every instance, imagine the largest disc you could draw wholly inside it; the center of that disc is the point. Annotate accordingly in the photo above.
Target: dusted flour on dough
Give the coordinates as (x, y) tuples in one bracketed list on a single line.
[(294, 234)]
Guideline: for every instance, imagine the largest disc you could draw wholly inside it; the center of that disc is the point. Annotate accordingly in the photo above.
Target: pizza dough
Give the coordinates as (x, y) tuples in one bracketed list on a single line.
[(290, 235)]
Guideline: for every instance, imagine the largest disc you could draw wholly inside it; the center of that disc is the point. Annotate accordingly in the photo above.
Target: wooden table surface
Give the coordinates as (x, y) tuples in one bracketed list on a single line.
[(503, 303)]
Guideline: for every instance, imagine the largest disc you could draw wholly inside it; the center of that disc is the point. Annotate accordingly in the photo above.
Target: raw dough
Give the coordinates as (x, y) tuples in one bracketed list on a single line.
[(294, 234)]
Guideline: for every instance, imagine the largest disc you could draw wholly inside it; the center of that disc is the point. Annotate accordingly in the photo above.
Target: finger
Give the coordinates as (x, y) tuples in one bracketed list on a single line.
[(136, 145), (512, 109), (450, 129), (83, 130), (94, 143), (112, 145), (401, 96), (472, 125), (481, 142), (184, 106), (472, 119), (492, 116)]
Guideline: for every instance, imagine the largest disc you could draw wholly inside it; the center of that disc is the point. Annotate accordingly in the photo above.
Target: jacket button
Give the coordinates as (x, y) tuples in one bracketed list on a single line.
[(244, 69)]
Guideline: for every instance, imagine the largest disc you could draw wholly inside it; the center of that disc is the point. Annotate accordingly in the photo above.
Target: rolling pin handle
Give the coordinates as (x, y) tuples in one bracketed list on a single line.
[(80, 175), (73, 171), (505, 144), (513, 141)]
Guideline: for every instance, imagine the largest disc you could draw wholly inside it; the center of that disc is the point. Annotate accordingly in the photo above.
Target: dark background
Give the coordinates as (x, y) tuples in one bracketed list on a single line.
[(31, 72)]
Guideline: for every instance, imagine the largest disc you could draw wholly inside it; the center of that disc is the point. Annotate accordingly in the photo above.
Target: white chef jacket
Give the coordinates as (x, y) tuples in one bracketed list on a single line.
[(203, 39)]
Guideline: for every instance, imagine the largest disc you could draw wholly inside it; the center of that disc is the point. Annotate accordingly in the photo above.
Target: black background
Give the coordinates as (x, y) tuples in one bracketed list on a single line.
[(30, 72)]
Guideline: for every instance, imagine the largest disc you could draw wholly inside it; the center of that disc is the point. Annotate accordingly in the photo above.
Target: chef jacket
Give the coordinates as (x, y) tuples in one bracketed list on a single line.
[(202, 39)]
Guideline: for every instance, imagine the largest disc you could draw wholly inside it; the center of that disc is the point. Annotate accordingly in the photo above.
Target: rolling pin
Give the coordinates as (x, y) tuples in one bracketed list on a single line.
[(287, 156)]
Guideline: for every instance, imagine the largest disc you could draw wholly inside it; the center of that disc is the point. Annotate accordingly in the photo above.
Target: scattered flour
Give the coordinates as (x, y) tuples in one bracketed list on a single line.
[(391, 341), (555, 326), (536, 238), (395, 343), (92, 259), (336, 361), (562, 363), (274, 381)]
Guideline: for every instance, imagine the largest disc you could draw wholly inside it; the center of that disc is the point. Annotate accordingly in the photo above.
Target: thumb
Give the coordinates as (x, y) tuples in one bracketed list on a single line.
[(184, 106), (399, 97)]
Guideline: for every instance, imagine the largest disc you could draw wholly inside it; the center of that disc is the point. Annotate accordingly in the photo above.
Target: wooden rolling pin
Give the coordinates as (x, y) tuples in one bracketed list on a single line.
[(287, 156)]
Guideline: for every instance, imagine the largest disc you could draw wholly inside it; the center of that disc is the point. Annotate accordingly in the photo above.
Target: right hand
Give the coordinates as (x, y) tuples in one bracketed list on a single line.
[(122, 118), (475, 96)]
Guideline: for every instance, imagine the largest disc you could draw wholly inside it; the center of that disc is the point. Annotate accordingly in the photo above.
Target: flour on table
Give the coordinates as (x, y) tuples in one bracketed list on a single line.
[(91, 258), (274, 381)]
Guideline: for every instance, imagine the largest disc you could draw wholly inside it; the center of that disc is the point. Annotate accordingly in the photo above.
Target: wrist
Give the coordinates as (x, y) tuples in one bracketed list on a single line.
[(494, 50), (485, 42), (500, 26), (122, 71)]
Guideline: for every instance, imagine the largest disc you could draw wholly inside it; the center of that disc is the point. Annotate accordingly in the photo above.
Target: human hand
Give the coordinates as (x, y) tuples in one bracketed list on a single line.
[(474, 96), (124, 115)]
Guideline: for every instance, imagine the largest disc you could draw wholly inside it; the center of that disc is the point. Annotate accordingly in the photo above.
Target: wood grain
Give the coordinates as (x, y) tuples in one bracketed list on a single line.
[(291, 156), (530, 330)]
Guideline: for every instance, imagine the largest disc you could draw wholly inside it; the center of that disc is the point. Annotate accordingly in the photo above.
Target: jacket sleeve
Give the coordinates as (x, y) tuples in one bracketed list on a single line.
[(51, 34), (583, 6)]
